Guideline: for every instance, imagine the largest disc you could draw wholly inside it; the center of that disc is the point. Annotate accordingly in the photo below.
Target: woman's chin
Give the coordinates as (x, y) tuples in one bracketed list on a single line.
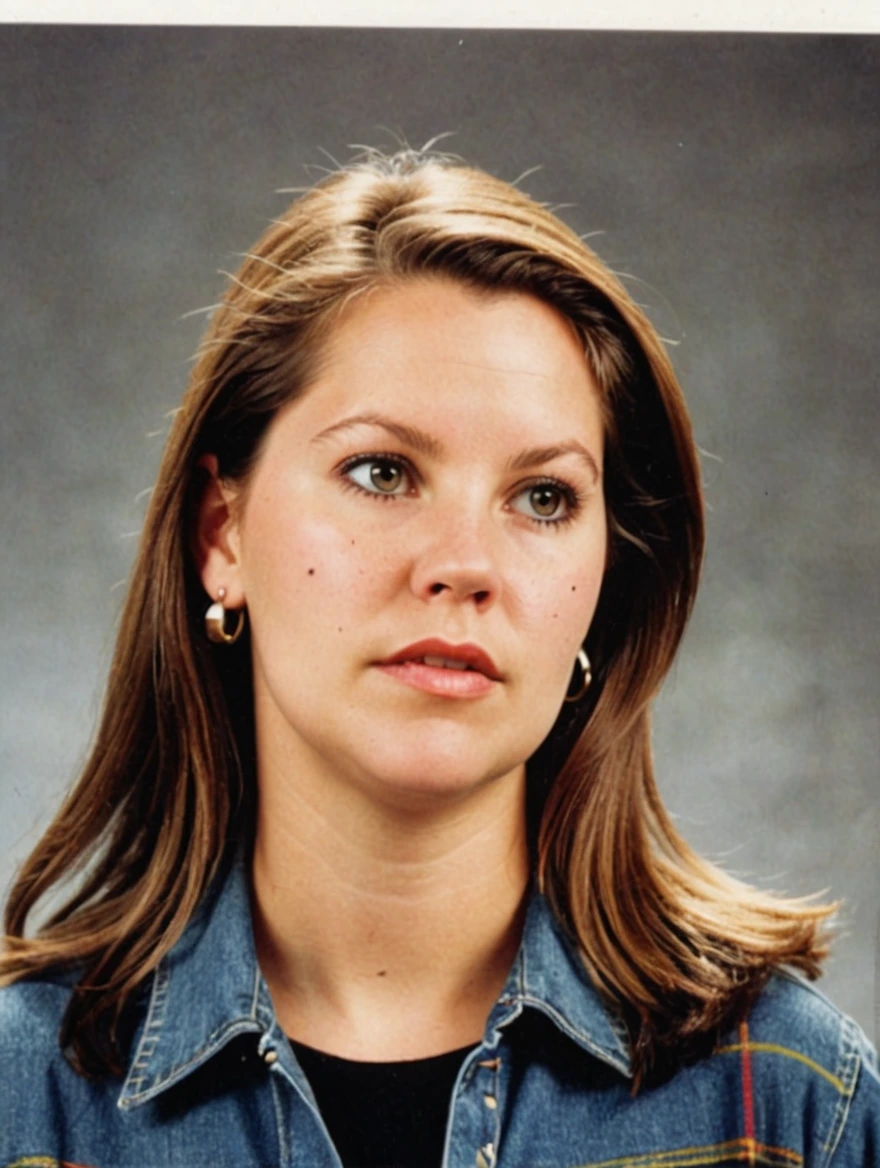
[(417, 786)]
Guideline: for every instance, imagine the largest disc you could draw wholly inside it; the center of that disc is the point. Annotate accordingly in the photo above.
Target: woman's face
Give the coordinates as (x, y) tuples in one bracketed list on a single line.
[(441, 480)]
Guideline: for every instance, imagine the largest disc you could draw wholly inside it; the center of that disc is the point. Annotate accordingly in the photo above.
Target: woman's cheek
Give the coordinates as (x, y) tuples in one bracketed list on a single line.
[(564, 609), (313, 567)]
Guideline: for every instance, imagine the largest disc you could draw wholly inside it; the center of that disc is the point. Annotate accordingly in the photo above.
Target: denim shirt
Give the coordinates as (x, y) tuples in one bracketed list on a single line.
[(212, 1081)]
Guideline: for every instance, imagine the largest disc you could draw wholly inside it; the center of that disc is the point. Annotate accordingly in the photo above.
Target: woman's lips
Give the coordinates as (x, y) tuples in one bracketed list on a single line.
[(438, 667), (438, 680), (468, 655)]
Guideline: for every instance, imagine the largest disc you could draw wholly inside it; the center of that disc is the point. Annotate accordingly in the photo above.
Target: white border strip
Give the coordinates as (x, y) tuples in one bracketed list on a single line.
[(834, 16)]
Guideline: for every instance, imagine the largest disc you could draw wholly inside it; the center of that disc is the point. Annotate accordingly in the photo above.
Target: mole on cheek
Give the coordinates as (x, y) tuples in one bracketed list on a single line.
[(311, 571)]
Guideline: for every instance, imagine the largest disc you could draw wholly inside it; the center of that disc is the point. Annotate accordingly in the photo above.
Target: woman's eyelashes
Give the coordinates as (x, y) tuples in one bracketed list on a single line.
[(547, 502)]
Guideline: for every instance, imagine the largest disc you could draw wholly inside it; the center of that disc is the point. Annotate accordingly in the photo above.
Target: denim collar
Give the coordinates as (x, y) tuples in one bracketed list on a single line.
[(209, 989)]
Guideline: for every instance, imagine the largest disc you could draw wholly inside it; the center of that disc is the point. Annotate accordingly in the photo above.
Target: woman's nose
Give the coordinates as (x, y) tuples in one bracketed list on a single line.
[(457, 559)]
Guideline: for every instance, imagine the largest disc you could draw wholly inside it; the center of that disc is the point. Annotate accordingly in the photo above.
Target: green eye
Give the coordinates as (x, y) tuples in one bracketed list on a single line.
[(546, 502), (385, 476), (379, 476)]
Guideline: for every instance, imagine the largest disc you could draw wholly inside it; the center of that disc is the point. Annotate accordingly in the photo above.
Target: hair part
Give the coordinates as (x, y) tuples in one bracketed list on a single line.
[(168, 792)]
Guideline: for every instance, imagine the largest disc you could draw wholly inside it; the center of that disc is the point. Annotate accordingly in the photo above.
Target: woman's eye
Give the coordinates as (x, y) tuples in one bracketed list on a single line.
[(546, 502), (379, 476)]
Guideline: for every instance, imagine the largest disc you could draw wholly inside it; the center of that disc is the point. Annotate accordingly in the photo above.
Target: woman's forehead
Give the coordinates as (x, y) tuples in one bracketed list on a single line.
[(434, 354)]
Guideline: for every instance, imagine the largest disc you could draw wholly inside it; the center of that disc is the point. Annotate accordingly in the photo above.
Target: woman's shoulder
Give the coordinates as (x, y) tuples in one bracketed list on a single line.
[(797, 1053), (794, 1019), (792, 1007), (31, 1012), (37, 1084)]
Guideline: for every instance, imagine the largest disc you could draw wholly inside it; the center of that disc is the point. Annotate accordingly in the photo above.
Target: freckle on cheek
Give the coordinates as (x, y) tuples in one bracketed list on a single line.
[(311, 571)]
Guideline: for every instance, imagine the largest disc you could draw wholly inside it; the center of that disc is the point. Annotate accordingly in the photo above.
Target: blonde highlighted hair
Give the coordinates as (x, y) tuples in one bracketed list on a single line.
[(169, 789)]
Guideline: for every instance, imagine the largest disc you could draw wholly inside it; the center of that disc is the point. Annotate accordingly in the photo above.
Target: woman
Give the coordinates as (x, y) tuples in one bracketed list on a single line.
[(374, 869)]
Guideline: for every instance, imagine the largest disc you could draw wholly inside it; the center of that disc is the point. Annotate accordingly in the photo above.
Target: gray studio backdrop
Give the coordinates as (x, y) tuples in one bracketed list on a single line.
[(734, 178)]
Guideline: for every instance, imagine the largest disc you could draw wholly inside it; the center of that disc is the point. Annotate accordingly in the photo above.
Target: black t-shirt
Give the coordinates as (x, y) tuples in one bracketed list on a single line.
[(383, 1115)]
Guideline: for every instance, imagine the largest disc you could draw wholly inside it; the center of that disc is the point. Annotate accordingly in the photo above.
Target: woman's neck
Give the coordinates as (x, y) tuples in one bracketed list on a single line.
[(386, 934)]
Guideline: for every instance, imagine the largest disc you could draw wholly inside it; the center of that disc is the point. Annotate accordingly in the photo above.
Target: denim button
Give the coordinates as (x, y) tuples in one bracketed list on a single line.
[(270, 1057)]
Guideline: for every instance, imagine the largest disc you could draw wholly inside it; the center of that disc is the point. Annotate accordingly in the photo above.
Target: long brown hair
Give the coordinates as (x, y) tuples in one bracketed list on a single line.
[(169, 788)]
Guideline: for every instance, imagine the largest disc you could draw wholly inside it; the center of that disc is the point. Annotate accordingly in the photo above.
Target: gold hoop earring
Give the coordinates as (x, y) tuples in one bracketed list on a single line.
[(215, 622), (584, 662)]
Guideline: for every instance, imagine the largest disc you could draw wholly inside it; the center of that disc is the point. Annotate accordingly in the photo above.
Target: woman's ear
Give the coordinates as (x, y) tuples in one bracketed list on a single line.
[(216, 537)]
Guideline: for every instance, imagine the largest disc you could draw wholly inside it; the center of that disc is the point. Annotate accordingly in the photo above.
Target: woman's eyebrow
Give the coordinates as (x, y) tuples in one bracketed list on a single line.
[(428, 445), (536, 455), (418, 439)]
